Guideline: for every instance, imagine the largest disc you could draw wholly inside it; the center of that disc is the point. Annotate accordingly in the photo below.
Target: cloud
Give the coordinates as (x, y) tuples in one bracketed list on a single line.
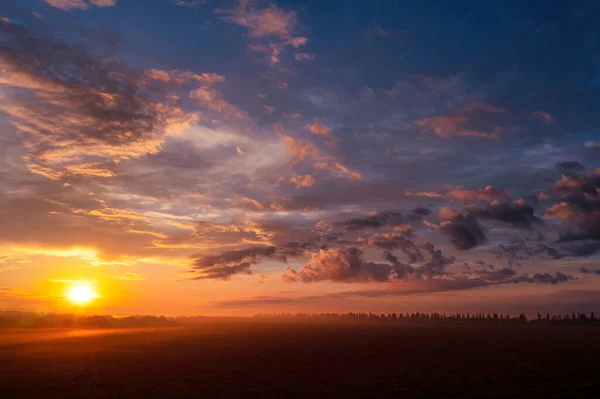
[(320, 130), (304, 57), (272, 51), (580, 204), (375, 221), (569, 166), (458, 123), (341, 265), (264, 22), (129, 277), (189, 3), (68, 4), (465, 232), (272, 24), (422, 211), (585, 270), (80, 4), (387, 241), (104, 3), (212, 99), (178, 76), (75, 112), (226, 264), (518, 250), (543, 117), (428, 273), (487, 193), (426, 194), (518, 214), (302, 180), (336, 167), (562, 210), (303, 149)]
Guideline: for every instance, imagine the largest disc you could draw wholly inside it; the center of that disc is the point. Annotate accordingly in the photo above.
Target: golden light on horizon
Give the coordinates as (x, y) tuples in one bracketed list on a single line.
[(81, 293)]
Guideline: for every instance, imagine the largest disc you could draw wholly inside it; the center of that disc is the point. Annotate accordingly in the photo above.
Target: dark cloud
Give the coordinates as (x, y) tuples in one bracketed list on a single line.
[(229, 263), (386, 241), (392, 242), (518, 214), (585, 270), (488, 193), (581, 206), (226, 264), (346, 264), (378, 220), (104, 101), (465, 232), (580, 249), (546, 278), (421, 210), (569, 166), (518, 250)]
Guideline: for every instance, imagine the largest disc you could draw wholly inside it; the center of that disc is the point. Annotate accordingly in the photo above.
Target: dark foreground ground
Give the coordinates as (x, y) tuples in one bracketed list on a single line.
[(261, 359)]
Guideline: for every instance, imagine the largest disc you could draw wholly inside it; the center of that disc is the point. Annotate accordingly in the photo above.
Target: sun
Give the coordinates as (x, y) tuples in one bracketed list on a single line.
[(81, 293)]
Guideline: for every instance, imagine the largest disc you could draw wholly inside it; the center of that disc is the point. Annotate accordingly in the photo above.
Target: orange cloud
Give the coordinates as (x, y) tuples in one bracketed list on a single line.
[(543, 117), (562, 210), (104, 3), (335, 166), (302, 180), (456, 123), (303, 149), (318, 129), (487, 193), (273, 51), (447, 214), (211, 99), (249, 203), (297, 41), (270, 21), (68, 4), (448, 126), (181, 76)]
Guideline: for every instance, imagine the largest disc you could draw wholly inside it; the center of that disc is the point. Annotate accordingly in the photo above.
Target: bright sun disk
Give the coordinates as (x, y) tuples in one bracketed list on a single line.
[(81, 293)]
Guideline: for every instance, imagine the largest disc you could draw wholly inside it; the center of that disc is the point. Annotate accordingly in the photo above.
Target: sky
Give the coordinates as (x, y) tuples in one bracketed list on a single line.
[(214, 157)]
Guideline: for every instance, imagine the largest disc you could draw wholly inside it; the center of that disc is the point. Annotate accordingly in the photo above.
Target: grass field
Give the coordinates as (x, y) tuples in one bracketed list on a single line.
[(294, 359)]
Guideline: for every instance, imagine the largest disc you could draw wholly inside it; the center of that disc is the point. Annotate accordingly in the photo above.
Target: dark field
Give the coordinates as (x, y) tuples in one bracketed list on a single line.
[(266, 359)]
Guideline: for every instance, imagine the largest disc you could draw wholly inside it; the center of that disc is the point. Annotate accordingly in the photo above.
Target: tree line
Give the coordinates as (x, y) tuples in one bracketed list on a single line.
[(566, 319)]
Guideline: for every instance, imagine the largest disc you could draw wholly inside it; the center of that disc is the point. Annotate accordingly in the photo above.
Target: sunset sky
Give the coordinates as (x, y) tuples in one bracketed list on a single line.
[(209, 157)]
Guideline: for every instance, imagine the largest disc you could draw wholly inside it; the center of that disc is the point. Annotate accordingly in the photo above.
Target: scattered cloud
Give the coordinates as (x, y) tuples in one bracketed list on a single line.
[(80, 4), (189, 3), (543, 117), (262, 22), (304, 57)]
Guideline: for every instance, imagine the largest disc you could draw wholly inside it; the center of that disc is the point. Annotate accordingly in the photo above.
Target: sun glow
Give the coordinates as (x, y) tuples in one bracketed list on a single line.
[(81, 293)]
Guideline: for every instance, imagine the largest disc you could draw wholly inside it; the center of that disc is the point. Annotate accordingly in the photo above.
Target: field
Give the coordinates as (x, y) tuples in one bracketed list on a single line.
[(305, 360)]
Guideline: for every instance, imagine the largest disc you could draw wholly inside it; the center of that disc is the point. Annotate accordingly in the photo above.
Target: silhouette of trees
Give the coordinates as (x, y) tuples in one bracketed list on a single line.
[(51, 320), (579, 319)]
